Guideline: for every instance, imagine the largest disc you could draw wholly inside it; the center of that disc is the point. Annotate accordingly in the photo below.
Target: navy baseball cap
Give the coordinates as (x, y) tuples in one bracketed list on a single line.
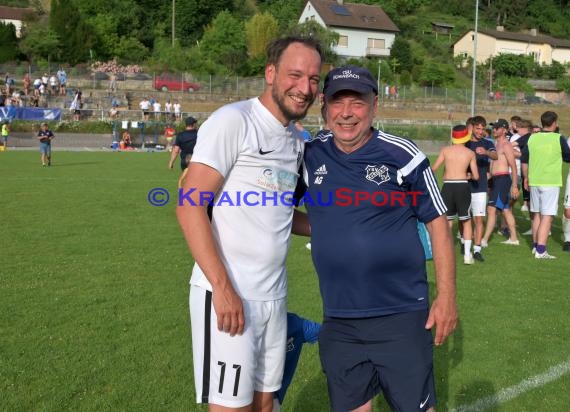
[(190, 121), (353, 78), (500, 123)]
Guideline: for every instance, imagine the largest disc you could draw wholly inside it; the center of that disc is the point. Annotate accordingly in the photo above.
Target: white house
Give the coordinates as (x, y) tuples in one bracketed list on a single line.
[(14, 15), (490, 42), (364, 30)]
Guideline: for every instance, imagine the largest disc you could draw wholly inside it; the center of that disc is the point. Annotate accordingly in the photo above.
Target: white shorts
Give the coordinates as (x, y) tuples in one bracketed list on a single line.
[(544, 200), (567, 193), (228, 369), (479, 204)]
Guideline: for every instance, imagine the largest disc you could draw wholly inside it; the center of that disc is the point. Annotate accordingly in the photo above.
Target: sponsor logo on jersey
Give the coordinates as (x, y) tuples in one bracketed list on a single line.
[(321, 170), (377, 174)]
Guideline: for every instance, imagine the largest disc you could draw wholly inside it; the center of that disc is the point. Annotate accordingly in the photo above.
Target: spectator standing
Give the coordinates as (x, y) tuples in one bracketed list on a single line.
[(112, 82), (145, 108), (76, 105), (156, 108), (542, 167), (62, 78), (177, 110), (27, 83), (54, 88), (168, 110), (45, 81), (37, 86)]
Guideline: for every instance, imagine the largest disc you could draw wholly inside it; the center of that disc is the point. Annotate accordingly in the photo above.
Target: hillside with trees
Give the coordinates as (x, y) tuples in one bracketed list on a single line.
[(227, 37)]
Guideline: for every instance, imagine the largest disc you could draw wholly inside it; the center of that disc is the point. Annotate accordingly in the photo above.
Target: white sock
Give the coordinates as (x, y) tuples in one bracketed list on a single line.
[(476, 248), (467, 247)]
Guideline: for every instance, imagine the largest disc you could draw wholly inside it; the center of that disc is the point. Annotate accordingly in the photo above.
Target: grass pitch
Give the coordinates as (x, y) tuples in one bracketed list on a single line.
[(94, 289)]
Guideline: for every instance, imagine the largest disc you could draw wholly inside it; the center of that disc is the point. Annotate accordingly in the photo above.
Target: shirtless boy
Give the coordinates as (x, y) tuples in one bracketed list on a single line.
[(459, 166), (505, 185)]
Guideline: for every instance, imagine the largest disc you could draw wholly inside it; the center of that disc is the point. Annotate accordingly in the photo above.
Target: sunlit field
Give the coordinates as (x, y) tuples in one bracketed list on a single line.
[(94, 291)]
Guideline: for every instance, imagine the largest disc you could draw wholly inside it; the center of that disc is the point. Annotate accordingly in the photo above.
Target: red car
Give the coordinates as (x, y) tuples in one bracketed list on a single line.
[(172, 82)]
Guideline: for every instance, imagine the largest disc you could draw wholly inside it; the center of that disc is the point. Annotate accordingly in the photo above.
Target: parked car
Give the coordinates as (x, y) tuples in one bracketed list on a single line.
[(536, 100), (171, 82)]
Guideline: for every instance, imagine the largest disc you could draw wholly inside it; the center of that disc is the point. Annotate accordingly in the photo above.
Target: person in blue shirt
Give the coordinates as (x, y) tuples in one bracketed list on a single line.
[(299, 332), (367, 190)]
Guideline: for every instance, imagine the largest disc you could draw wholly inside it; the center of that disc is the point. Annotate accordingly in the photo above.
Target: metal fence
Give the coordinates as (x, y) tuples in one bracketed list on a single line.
[(234, 86)]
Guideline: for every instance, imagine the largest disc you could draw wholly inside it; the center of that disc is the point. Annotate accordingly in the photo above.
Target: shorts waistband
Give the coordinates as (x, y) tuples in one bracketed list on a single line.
[(502, 174), (455, 181)]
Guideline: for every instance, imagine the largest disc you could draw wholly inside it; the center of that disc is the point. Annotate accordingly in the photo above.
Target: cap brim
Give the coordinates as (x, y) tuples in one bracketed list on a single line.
[(356, 87)]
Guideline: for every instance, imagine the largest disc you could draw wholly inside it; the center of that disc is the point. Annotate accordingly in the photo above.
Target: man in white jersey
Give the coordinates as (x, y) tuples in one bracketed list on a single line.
[(245, 165)]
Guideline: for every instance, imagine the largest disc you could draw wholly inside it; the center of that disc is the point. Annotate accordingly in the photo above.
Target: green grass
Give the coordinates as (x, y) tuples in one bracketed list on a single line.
[(94, 289)]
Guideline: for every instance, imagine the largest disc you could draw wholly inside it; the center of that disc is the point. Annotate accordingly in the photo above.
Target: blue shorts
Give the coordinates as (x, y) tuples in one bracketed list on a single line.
[(4, 138), (501, 192), (390, 354), (45, 148)]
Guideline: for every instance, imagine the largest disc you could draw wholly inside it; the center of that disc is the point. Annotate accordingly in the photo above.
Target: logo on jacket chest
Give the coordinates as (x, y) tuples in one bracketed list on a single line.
[(377, 174)]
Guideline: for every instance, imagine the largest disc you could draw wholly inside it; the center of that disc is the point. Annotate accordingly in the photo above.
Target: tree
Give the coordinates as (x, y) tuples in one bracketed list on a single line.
[(402, 52), (76, 36), (224, 42), (39, 42), (286, 12), (8, 42), (513, 65), (193, 16), (260, 30), (436, 75), (327, 38)]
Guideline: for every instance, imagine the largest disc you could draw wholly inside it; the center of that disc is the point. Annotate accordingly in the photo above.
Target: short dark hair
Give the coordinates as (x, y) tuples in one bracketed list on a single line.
[(548, 118), (276, 47), (515, 118), (479, 120)]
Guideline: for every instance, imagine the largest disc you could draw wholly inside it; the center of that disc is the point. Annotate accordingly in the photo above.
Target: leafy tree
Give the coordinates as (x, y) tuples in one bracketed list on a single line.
[(224, 42), (193, 16), (402, 52), (8, 42), (39, 42), (76, 36), (244, 9), (512, 65), (286, 12), (402, 7), (554, 71), (513, 84), (260, 30), (564, 84), (130, 49), (436, 74), (327, 38)]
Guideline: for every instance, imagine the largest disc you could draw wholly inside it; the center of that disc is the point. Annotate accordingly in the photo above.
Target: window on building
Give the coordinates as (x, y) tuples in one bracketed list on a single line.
[(343, 41), (376, 43)]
